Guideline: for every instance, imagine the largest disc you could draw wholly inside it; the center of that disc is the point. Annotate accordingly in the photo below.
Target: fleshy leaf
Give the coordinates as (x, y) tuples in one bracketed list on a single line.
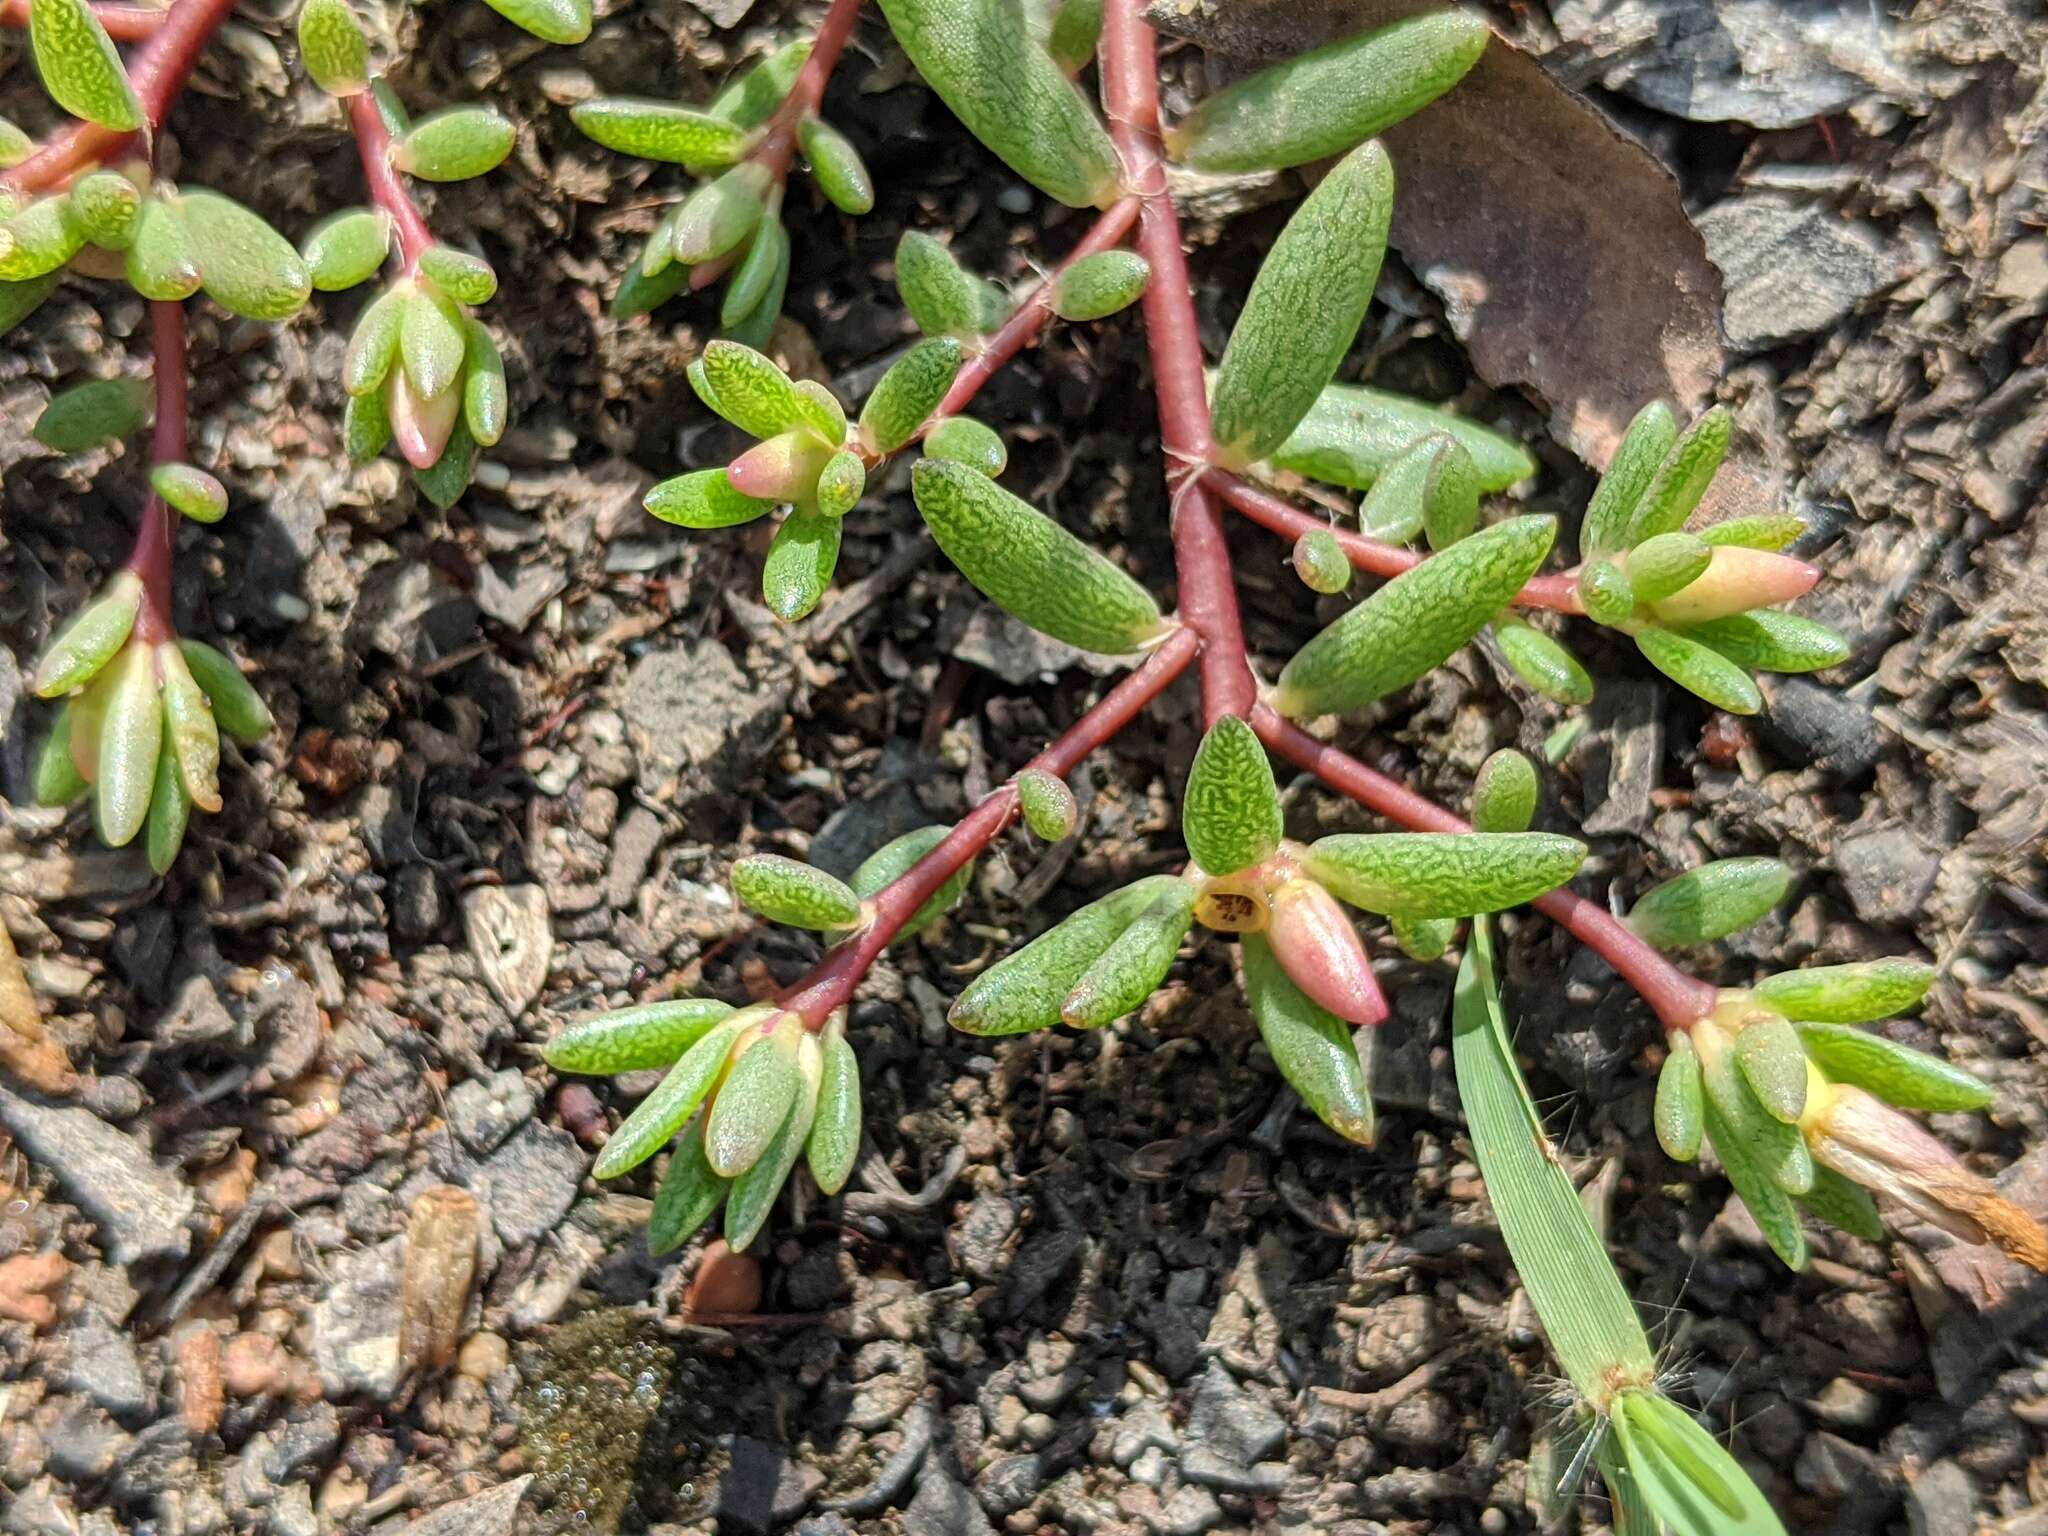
[(821, 412), (39, 239), (748, 287), (800, 564), (563, 22), (981, 59), (465, 278), (1709, 902), (1325, 101), (107, 206), (1682, 478), (131, 736), (1504, 793), (1047, 804), (1352, 433), (940, 294), (1100, 285), (1443, 874), (1776, 1149), (16, 145), (752, 1103), (1765, 531), (1701, 671), (753, 1194), (443, 481), (690, 1193), (1858, 993), (662, 130), (1661, 566), (909, 392), (80, 67), (834, 1142), (894, 859), (1135, 963), (1844, 1204), (674, 1099), (1605, 592), (170, 812), (236, 705), (191, 734), (1771, 1208), (1231, 817), (704, 498), (717, 218), (1026, 990), (1319, 560), (1771, 640), (1681, 1102), (639, 293), (19, 300), (1075, 30), (1896, 1073), (373, 345), (1423, 938), (333, 48), (162, 263), (431, 342), (87, 415), (366, 425), (245, 266), (841, 483), (486, 399), (967, 441), (92, 638), (748, 390), (1771, 1058), (800, 895), (55, 779), (1313, 1049), (751, 98), (455, 144), (347, 248), (1643, 447), (1029, 565), (1542, 661), (1415, 622), (1392, 510), (836, 166), (635, 1039), (1304, 308)]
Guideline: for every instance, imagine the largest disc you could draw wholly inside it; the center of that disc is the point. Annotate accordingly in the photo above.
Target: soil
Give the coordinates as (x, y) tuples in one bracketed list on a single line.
[(1114, 1282)]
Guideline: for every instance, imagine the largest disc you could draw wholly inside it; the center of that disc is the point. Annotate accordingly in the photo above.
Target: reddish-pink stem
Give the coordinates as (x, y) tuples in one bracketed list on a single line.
[(1677, 998), (151, 557), (158, 74), (124, 23), (387, 188), (1372, 556), (778, 145), (831, 984), (1208, 590)]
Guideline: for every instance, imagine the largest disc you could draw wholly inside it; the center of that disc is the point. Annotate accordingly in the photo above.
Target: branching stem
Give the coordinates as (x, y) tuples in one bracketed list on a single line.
[(151, 557), (386, 187)]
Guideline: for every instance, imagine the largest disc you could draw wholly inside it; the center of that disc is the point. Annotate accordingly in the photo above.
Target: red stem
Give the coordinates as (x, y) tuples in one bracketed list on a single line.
[(124, 23), (1677, 998), (151, 557), (778, 145), (1375, 558), (386, 186), (1208, 590), (158, 74), (831, 983)]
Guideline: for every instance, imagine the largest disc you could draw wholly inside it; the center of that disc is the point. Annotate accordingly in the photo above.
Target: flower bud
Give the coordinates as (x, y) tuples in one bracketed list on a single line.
[(784, 468), (1736, 580), (1319, 949), (420, 425)]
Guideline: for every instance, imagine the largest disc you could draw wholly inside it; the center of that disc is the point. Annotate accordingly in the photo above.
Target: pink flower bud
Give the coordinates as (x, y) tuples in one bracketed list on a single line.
[(1735, 581), (1319, 949), (784, 468), (421, 427)]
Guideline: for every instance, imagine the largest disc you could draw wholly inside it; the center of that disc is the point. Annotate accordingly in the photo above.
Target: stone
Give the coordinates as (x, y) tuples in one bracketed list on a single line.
[(355, 1323), (489, 1513), (1008, 1483), (1142, 1427), (84, 1443), (483, 1111), (1821, 726), (141, 1209), (1848, 1403), (943, 1507), (530, 1182), (697, 722), (1794, 267), (101, 1362), (1941, 1501), (304, 1444), (1401, 1333), (1889, 873), (764, 1488), (1191, 1511), (508, 933), (1231, 1422)]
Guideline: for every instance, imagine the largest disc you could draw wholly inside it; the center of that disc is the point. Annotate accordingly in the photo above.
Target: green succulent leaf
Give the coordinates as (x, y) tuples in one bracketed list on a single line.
[(908, 392), (1842, 1203), (841, 483), (943, 297), (1231, 817), (16, 144), (690, 1193), (980, 57), (333, 48), (758, 329), (748, 390), (486, 398), (189, 490), (107, 206), (1605, 593), (1136, 962), (443, 481), (1701, 670), (1443, 874), (191, 735), (431, 342), (1858, 993), (1029, 565), (751, 98), (1075, 30), (131, 737), (563, 22), (374, 344), (1771, 1058), (1768, 1203), (1682, 478), (39, 239), (236, 705), (800, 895), (1312, 1047), (1325, 101), (662, 130), (19, 300), (704, 498), (54, 778), (800, 564), (894, 859), (465, 278), (1319, 560), (347, 248), (1504, 793), (767, 253), (1423, 938), (1048, 805), (967, 441), (88, 415), (455, 144), (1542, 661), (836, 166), (821, 412), (1771, 640), (751, 1105), (1666, 564), (1100, 285), (245, 266), (1896, 1073), (640, 293), (1709, 902), (1775, 1148), (170, 812), (1026, 990), (1304, 308), (366, 425), (1643, 447), (717, 218), (1415, 622), (91, 640), (634, 1039), (80, 67), (162, 262), (754, 1190), (1681, 1102), (674, 1099), (1767, 532), (1352, 434), (834, 1143)]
